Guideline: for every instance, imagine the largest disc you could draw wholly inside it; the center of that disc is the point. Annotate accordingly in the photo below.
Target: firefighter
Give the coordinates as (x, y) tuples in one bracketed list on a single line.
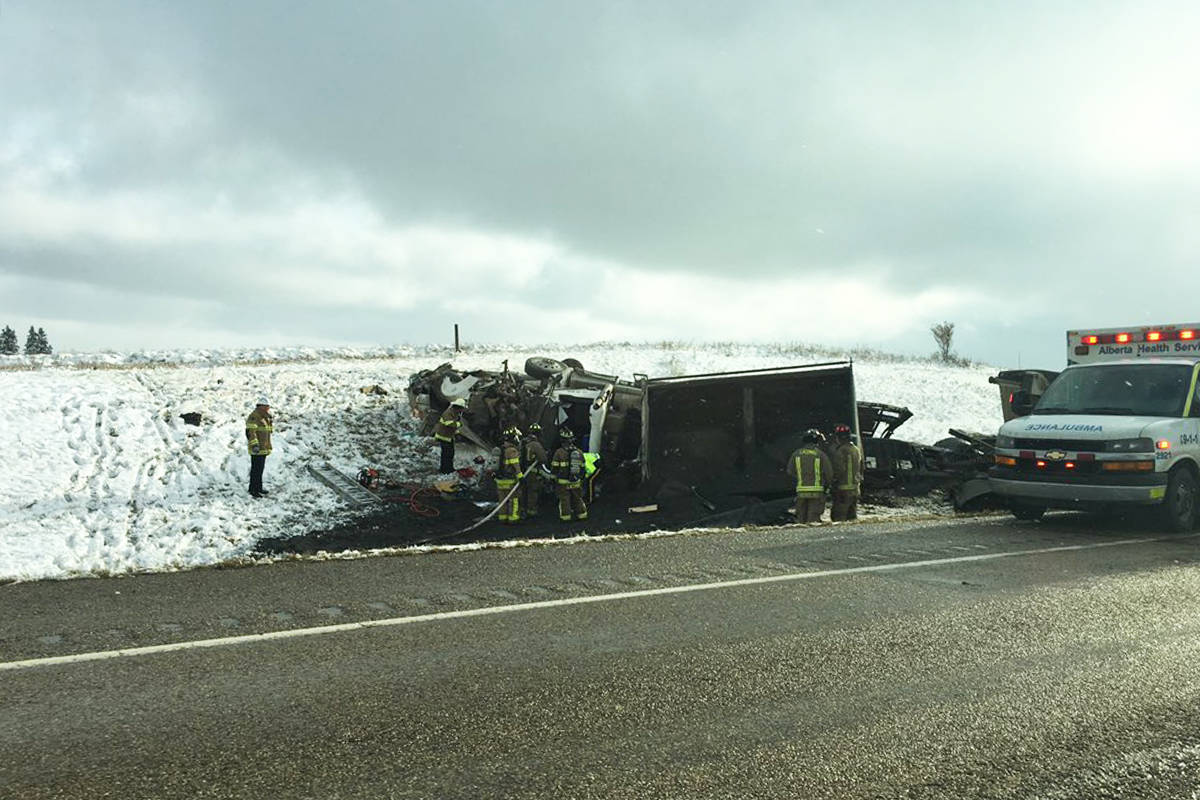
[(813, 471), (533, 461), (847, 475), (508, 473), (447, 426), (259, 426), (569, 468)]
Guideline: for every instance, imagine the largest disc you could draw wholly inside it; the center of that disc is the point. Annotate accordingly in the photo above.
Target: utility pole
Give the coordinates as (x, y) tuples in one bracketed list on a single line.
[(456, 347)]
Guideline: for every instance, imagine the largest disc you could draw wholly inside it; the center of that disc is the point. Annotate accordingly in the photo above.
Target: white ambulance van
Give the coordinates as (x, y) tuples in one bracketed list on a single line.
[(1119, 427)]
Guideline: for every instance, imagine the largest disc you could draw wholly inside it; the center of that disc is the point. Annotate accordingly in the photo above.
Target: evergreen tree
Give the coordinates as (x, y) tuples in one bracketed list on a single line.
[(8, 342), (44, 347), (31, 342)]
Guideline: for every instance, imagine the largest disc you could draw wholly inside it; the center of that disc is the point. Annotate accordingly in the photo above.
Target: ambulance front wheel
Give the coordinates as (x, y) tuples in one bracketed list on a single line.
[(1179, 504)]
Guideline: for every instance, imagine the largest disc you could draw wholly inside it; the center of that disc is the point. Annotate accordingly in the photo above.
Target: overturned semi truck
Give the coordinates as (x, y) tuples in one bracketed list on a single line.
[(729, 433)]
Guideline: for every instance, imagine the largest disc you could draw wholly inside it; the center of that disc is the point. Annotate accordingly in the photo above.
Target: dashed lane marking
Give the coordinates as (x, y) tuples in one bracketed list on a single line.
[(555, 603)]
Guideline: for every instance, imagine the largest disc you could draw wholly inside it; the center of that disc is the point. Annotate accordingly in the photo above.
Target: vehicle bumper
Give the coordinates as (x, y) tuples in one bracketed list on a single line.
[(1148, 491)]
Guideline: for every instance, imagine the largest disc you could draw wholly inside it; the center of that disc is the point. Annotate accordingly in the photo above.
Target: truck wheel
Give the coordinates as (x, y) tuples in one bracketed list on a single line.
[(1179, 505), (542, 367), (1027, 513)]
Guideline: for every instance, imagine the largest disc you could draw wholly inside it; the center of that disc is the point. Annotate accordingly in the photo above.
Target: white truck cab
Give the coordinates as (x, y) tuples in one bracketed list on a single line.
[(1120, 426)]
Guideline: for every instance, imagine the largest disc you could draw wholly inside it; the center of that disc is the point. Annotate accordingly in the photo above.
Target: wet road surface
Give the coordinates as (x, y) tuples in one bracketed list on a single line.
[(975, 658)]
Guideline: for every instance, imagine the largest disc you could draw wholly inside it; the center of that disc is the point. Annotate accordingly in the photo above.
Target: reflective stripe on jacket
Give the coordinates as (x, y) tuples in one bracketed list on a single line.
[(448, 424), (259, 427), (562, 465), (847, 467), (811, 468), (510, 464)]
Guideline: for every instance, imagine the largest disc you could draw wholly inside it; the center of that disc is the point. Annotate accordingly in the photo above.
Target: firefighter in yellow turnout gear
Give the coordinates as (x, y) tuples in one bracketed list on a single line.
[(847, 475), (447, 427), (813, 471), (259, 427), (533, 461), (569, 468), (508, 472)]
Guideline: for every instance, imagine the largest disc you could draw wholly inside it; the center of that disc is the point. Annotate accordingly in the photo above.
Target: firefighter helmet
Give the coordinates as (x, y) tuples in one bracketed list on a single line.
[(566, 433), (458, 402), (812, 435), (535, 427), (842, 430)]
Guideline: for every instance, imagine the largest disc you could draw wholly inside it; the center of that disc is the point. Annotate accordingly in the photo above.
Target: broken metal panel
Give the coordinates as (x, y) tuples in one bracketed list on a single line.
[(737, 429), (880, 421)]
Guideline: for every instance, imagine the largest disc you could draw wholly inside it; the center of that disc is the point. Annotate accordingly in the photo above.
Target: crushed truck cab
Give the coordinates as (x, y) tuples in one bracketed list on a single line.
[(1120, 426)]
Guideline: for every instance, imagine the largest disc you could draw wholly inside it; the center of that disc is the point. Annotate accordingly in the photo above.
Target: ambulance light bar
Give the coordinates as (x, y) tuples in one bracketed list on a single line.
[(1187, 334)]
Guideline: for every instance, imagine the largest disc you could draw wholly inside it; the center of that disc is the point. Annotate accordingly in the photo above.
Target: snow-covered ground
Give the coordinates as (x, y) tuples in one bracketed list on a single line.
[(101, 475)]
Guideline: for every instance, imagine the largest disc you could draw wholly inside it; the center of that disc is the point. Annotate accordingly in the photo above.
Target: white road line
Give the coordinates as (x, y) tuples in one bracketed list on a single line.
[(540, 604)]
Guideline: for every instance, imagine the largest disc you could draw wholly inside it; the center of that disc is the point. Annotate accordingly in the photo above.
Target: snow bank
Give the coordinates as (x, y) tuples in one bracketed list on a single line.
[(102, 475)]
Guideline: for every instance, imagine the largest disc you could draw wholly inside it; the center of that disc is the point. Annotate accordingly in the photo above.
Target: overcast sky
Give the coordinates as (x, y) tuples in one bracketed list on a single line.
[(209, 174)]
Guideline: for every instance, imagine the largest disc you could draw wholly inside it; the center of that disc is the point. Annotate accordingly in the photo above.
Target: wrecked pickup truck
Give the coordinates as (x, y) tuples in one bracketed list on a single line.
[(728, 433)]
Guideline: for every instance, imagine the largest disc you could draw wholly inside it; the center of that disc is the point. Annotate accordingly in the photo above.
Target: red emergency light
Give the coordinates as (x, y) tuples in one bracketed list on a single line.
[(1187, 334), (1122, 338), (1153, 336), (1093, 339)]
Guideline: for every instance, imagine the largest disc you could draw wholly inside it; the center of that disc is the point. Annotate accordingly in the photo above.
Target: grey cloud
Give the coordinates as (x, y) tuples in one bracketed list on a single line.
[(908, 144)]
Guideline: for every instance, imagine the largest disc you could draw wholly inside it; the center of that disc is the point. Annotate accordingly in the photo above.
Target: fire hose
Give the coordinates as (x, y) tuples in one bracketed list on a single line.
[(418, 500), (486, 517)]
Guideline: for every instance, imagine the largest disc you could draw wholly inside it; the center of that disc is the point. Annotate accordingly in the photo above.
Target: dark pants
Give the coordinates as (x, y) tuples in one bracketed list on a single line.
[(809, 507), (447, 457), (257, 463), (845, 505), (570, 500), (531, 489)]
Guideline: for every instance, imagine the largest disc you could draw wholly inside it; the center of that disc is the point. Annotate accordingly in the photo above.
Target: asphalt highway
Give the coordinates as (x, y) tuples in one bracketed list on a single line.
[(928, 659)]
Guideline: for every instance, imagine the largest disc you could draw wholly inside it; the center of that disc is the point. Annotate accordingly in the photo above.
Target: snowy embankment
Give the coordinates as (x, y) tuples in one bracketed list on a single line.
[(101, 475)]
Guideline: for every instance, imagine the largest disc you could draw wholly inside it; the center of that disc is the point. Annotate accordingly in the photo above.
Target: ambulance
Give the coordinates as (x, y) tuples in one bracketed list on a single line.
[(1118, 428)]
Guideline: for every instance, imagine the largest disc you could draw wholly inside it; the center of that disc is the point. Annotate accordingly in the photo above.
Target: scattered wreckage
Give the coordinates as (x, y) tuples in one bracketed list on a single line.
[(681, 452), (726, 434)]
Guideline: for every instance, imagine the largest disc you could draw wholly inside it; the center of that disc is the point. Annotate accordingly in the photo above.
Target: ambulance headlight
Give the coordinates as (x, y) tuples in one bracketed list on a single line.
[(1005, 442), (1139, 445)]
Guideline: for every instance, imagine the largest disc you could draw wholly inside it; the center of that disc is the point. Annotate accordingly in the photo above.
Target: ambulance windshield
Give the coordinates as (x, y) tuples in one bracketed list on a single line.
[(1145, 390)]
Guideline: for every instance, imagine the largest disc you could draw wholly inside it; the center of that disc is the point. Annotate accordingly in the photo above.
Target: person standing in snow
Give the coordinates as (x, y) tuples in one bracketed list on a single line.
[(813, 471), (847, 475), (259, 426), (447, 427)]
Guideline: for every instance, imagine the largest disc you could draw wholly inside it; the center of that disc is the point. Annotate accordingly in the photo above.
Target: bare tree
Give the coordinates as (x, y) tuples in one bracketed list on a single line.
[(943, 334)]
